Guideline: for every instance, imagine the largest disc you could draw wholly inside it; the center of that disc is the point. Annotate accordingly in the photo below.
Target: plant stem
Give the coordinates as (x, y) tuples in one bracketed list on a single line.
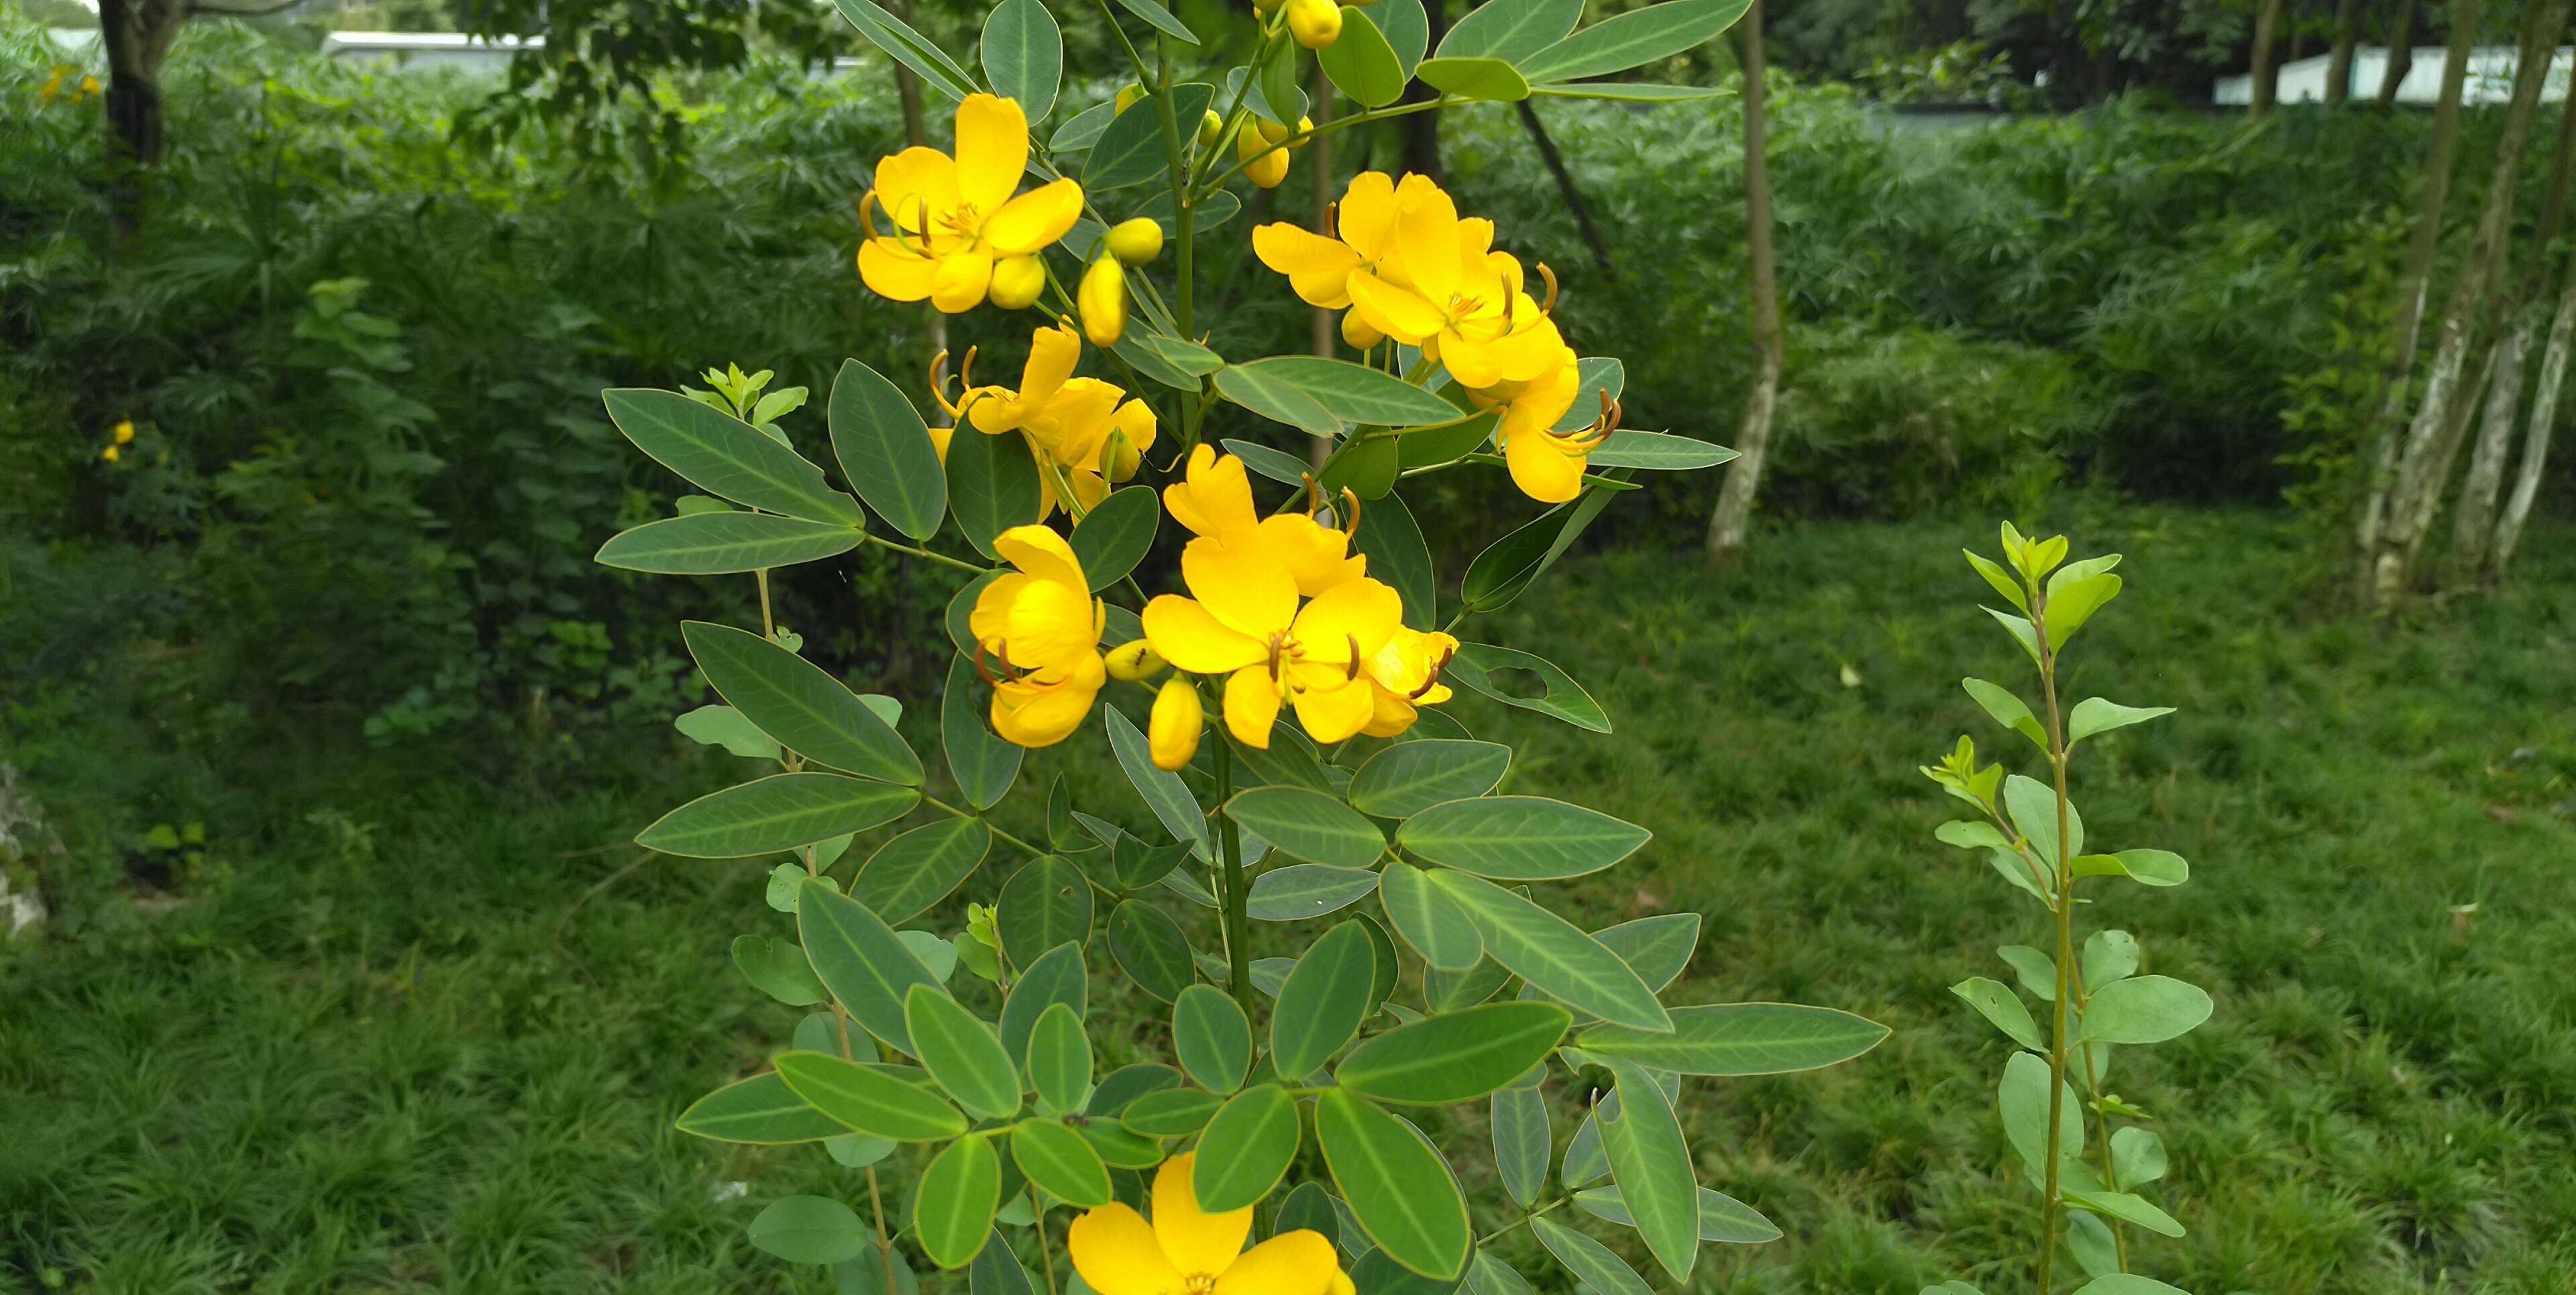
[(768, 626), (885, 1244), (1007, 839), (1046, 1254), (2052, 1208), (873, 538), (1238, 919), (1360, 118)]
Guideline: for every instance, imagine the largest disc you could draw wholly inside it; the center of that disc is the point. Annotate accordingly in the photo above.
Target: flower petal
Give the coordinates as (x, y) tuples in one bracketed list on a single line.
[(1115, 1251), (1240, 585), (1040, 552), (1252, 705), (990, 622), (1317, 556), (1318, 268), (1214, 498), (915, 186), (1195, 1242), (1335, 711), (896, 270), (1362, 611), (1035, 219), (961, 280), (1292, 1263), (1400, 313), (1050, 625), (1543, 468), (1184, 634), (1427, 242), (1048, 707), (992, 150), (1366, 219)]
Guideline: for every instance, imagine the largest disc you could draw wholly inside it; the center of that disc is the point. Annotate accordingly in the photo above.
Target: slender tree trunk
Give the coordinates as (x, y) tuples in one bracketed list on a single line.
[(2536, 433), (2266, 72), (2413, 285), (2347, 25), (1422, 129), (1320, 161), (2401, 54), (1734, 515), (2473, 517), (1565, 185), (136, 35), (2433, 438)]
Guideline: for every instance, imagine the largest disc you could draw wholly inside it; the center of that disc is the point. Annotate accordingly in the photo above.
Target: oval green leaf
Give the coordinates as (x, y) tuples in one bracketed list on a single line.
[(1246, 1148), (886, 451), (1212, 1037), (724, 543), (1553, 954), (1117, 533), (1409, 777), (869, 1100), (1061, 1161), (810, 1230), (800, 704), (861, 960), (1024, 55), (1454, 1057), (1519, 838), (1044, 904), (919, 868), (1059, 1058), (725, 456), (1397, 1186), (1309, 825), (1361, 63), (761, 1111), (1651, 1162), (1323, 1001), (962, 1053), (1149, 947), (952, 1210), (1435, 925), (1740, 1039), (780, 812)]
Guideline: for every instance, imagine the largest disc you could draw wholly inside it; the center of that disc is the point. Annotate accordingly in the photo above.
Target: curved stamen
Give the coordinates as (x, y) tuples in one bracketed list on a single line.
[(1437, 667), (1548, 306), (1351, 523), (867, 223), (1332, 220), (1352, 671)]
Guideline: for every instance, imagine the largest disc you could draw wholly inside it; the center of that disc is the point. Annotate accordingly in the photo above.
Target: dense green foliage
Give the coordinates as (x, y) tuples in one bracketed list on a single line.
[(398, 1036)]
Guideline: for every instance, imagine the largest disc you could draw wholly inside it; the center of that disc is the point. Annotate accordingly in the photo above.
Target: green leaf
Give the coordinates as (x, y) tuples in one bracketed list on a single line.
[(1246, 1149), (1524, 1141), (1163, 792), (908, 47), (2109, 955), (1410, 777), (1361, 63), (1455, 1057), (1060, 1161), (2006, 709), (884, 448), (1024, 55), (1353, 393), (2144, 1009), (1437, 926), (1115, 535), (1275, 92), (1212, 1038), (2139, 1155), (1511, 30), (962, 1053), (868, 1100), (2036, 971), (810, 1230), (992, 486), (1122, 1149), (1489, 79), (1149, 947), (2022, 1099), (2000, 1008), (2032, 805), (1171, 1112), (1520, 838), (1057, 977), (1046, 903), (952, 1209), (720, 725), (800, 704), (1130, 148), (1270, 395), (2127, 1284), (1432, 446), (1163, 21), (1323, 1001), (1309, 825), (761, 1111), (1166, 359), (2002, 581), (1631, 92), (1657, 948), (2068, 608), (860, 959), (1741, 1039), (1633, 39), (1509, 565), (1657, 451), (983, 764), (1397, 1185), (777, 968), (1553, 954), (1304, 890), (919, 868), (780, 812), (1721, 1217), (1651, 1162), (2094, 715), (723, 455), (1059, 1056), (2127, 1208), (1408, 30), (1397, 554), (995, 1271), (1601, 1271), (2145, 867), (1482, 667), (726, 543)]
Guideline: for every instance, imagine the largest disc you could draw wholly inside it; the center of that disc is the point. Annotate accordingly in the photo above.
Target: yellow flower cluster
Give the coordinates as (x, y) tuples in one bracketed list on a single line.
[(1407, 266), (1087, 434), (118, 437), (1187, 1251), (67, 84), (960, 235)]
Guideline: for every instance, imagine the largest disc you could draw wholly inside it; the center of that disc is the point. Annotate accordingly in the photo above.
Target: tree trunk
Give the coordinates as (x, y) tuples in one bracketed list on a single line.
[(2347, 24), (2266, 72), (1422, 129), (2536, 433), (2401, 54), (136, 35), (1728, 525), (2433, 439), (2474, 516), (1565, 185), (2413, 284)]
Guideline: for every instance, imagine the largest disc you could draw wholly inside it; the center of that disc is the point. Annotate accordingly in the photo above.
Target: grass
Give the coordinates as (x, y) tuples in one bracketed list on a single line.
[(429, 1042)]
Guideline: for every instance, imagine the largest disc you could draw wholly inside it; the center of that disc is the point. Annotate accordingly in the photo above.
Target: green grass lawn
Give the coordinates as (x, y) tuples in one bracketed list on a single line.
[(443, 1052)]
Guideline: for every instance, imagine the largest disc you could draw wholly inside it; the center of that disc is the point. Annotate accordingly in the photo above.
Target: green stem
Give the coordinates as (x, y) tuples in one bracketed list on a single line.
[(1237, 900), (941, 558), (1046, 1253), (1007, 839), (2052, 1207), (1360, 118), (1506, 1228)]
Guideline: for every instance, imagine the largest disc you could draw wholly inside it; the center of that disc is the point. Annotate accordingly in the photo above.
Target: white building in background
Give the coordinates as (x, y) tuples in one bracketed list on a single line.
[(2489, 81), (428, 49)]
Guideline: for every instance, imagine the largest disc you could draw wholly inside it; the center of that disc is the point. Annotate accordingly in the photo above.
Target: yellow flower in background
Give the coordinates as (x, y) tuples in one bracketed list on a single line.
[(1406, 673), (1319, 265), (1243, 622), (1187, 1252), (123, 432), (111, 454), (1070, 422), (954, 217), (1458, 299), (1041, 622), (1214, 499)]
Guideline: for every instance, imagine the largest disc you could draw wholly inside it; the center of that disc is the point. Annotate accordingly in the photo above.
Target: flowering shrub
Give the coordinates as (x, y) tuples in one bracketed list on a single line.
[(1420, 964)]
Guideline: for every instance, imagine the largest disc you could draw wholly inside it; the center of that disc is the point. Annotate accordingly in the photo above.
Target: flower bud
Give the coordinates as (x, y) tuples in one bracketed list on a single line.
[(1305, 133), (1271, 166), (1017, 282), (1358, 332), (1120, 458), (1136, 242), (1134, 662), (1172, 731), (1102, 301), (1210, 127), (1315, 23), (1128, 94), (1271, 132)]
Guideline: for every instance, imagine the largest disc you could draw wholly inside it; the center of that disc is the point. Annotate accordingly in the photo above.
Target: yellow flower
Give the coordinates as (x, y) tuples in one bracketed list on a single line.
[(1187, 1252), (1214, 499), (1406, 674), (1043, 625), (1319, 266), (1457, 299), (1172, 730), (111, 454), (1244, 622), (1069, 421), (1316, 24), (1546, 464), (1101, 300), (954, 217), (123, 432)]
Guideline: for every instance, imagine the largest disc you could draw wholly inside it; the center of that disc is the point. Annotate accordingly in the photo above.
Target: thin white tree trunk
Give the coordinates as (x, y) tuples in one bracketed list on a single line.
[(2536, 433), (2473, 517), (1734, 516)]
